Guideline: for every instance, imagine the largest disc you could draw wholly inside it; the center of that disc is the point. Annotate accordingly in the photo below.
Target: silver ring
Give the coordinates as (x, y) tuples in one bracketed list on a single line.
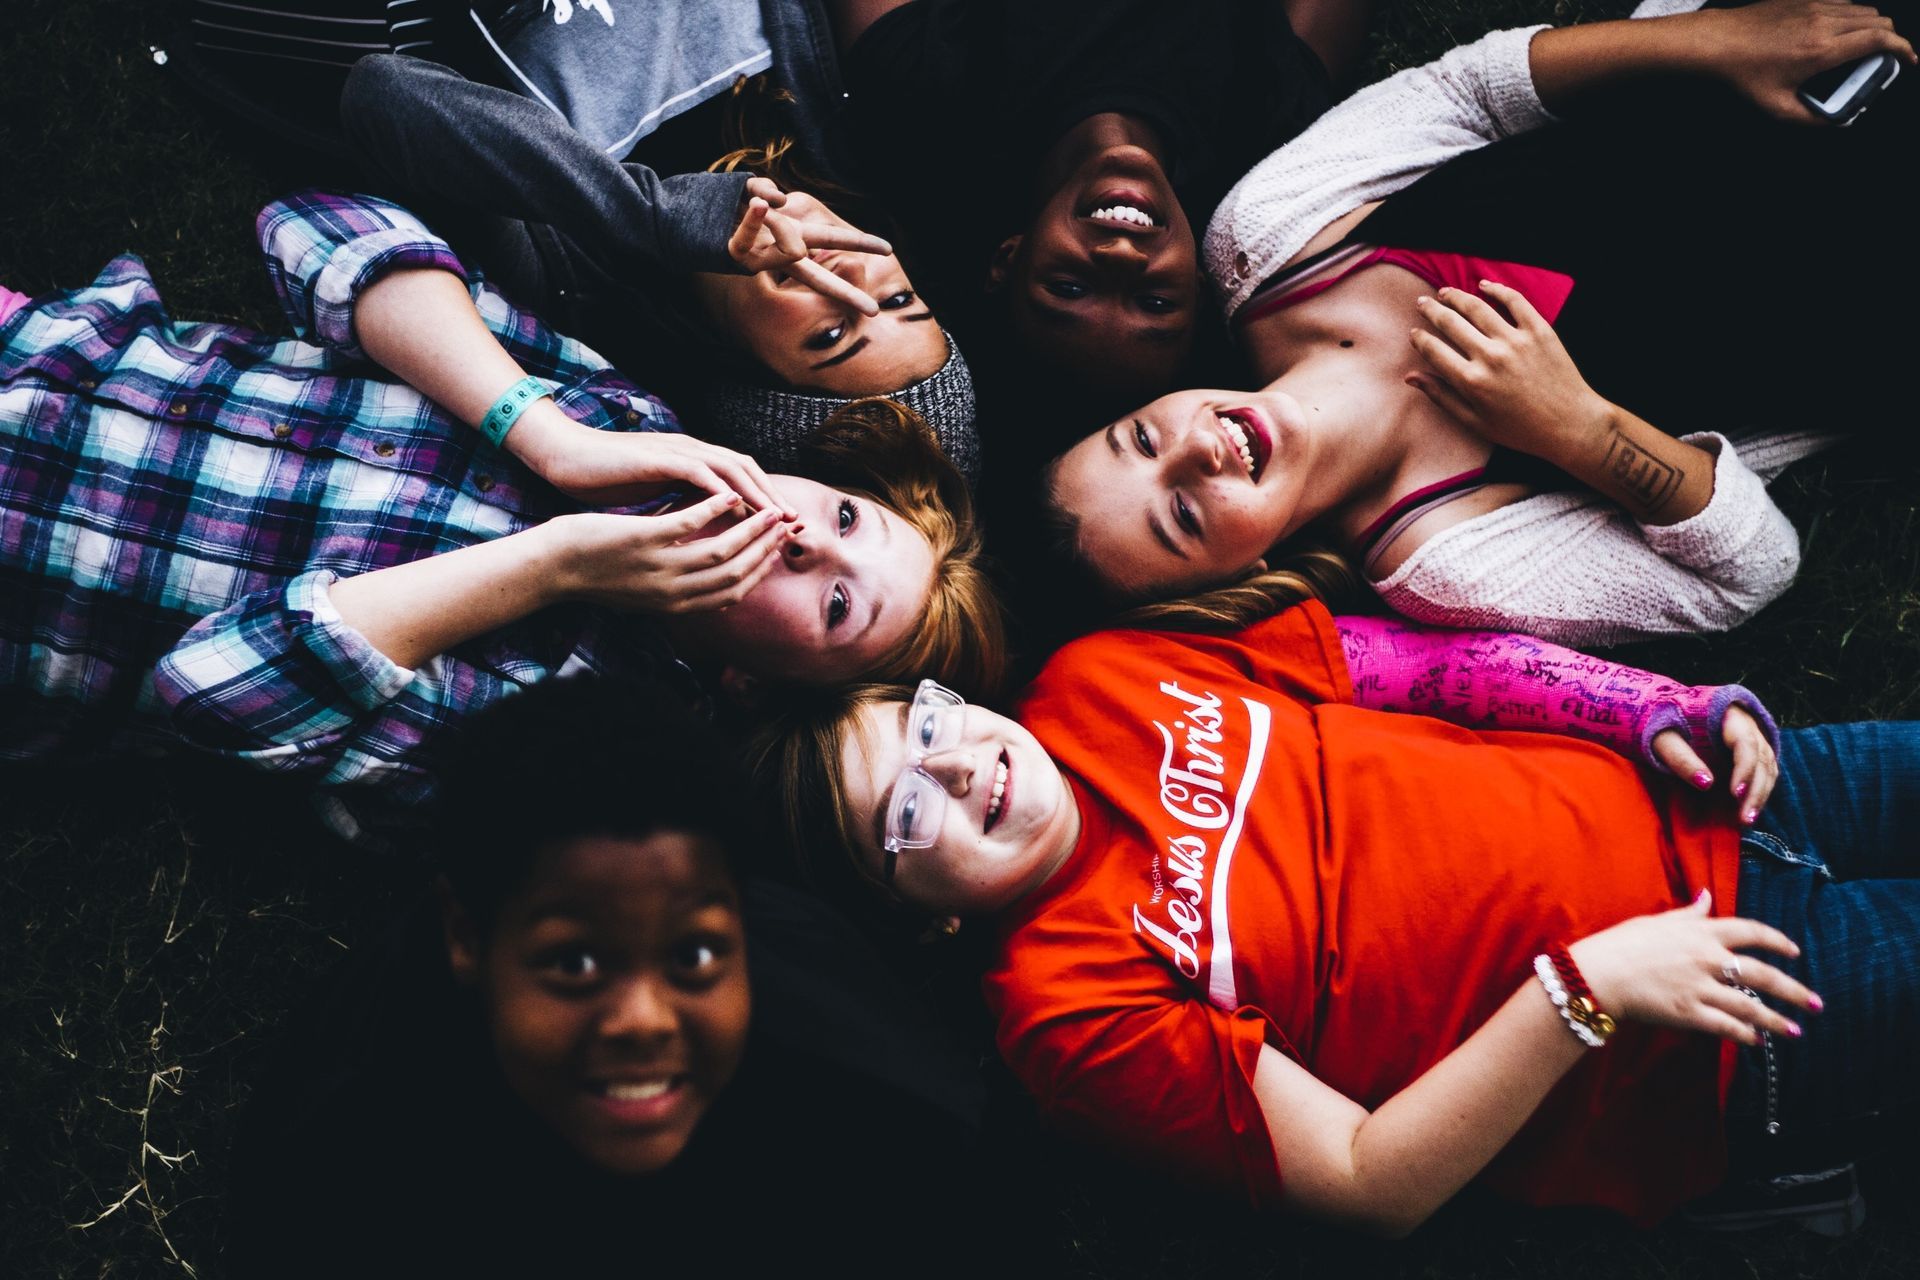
[(1730, 972)]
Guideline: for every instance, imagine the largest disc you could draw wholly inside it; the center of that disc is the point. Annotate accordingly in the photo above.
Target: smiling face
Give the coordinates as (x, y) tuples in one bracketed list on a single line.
[(1189, 492), (1008, 820), (1105, 281), (813, 343), (846, 592), (615, 991)]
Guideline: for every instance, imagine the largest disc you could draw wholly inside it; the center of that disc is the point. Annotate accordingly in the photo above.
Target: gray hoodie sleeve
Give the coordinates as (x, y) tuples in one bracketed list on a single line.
[(448, 139)]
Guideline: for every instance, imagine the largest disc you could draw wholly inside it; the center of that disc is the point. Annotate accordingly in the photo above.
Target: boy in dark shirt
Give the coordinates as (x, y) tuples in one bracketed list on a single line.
[(553, 1072)]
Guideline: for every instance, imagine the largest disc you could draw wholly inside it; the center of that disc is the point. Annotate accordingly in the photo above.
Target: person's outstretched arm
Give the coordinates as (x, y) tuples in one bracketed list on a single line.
[(1766, 51), (439, 135), (473, 146), (1314, 190), (368, 280), (1387, 1170), (422, 326), (628, 563), (303, 677), (1499, 680)]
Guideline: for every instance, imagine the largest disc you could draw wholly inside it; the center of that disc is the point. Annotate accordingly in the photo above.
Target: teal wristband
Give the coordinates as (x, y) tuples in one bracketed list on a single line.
[(507, 409)]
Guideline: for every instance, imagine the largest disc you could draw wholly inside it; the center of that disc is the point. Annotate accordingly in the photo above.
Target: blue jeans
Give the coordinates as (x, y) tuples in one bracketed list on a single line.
[(1834, 863)]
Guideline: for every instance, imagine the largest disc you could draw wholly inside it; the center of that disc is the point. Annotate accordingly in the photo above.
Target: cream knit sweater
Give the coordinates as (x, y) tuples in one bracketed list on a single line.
[(1569, 567)]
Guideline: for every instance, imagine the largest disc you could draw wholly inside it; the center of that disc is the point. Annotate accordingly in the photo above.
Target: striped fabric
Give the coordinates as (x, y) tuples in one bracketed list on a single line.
[(176, 499), (313, 32)]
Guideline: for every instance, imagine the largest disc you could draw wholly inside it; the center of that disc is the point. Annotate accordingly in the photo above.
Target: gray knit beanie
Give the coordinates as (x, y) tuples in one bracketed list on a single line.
[(771, 424)]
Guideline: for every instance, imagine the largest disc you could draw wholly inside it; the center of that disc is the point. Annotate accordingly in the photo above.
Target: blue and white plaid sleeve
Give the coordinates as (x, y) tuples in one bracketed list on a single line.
[(280, 681), (322, 249)]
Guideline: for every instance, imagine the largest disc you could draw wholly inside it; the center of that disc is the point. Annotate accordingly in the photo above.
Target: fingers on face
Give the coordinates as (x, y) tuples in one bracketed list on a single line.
[(744, 476), (824, 282), (821, 235), (729, 544), (698, 516), (733, 580), (766, 189), (786, 236), (751, 224)]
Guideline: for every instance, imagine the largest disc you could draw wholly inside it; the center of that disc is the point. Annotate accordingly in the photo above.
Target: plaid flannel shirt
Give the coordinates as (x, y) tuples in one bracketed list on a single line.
[(175, 501)]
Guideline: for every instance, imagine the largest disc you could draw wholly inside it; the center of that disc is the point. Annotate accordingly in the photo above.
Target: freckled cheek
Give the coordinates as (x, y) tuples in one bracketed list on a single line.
[(775, 613)]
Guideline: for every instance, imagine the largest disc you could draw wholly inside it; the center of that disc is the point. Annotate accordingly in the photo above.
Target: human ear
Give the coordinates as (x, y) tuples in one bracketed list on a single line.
[(1001, 265), (742, 688), (1257, 568), (461, 935)]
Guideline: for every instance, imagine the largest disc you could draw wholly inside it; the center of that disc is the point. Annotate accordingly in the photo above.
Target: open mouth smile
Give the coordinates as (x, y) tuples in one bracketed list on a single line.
[(1249, 437), (640, 1101), (1122, 209), (997, 801)]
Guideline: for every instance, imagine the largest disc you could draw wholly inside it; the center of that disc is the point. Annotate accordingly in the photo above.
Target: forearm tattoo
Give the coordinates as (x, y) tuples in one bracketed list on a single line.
[(1646, 479)]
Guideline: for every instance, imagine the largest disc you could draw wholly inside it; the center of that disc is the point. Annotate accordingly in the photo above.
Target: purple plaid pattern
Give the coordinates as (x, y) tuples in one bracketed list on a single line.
[(176, 499)]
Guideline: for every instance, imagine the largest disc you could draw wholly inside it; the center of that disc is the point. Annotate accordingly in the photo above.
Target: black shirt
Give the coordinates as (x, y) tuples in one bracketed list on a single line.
[(386, 1142), (954, 102)]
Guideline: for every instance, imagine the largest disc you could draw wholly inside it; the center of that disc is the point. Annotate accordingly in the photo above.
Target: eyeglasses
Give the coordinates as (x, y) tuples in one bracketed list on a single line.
[(919, 799)]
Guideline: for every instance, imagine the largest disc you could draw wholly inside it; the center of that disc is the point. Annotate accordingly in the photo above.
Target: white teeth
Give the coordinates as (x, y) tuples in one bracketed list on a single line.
[(999, 796), (637, 1090), (1123, 213), (1238, 435)]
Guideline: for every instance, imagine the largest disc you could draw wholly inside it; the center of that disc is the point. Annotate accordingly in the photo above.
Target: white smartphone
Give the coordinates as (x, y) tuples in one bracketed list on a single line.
[(1839, 96)]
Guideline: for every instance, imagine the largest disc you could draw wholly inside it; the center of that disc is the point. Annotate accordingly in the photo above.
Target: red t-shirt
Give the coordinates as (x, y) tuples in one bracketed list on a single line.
[(1264, 863)]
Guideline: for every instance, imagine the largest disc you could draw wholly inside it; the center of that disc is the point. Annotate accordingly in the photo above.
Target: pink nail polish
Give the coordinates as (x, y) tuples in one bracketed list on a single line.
[(1793, 1029), (1740, 788), (1750, 816), (1703, 779), (1816, 1004)]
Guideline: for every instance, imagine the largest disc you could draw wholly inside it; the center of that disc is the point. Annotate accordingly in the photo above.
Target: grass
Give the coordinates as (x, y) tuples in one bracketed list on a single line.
[(157, 923)]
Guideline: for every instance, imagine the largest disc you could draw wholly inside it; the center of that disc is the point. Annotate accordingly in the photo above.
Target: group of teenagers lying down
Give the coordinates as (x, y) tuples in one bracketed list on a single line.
[(1335, 914)]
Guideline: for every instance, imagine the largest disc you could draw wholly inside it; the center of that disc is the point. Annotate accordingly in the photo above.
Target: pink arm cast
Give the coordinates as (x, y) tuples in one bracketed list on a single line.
[(1499, 680)]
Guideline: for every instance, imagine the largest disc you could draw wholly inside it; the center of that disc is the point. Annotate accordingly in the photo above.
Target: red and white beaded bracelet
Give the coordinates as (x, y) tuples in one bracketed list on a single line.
[(1571, 996)]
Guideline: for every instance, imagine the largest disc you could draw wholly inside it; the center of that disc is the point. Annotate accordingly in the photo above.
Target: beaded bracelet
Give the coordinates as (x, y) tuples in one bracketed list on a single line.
[(1571, 996), (507, 409)]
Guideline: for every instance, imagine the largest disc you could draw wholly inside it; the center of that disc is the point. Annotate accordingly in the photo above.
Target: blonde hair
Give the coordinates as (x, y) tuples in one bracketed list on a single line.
[(795, 762), (1309, 573), (886, 452)]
